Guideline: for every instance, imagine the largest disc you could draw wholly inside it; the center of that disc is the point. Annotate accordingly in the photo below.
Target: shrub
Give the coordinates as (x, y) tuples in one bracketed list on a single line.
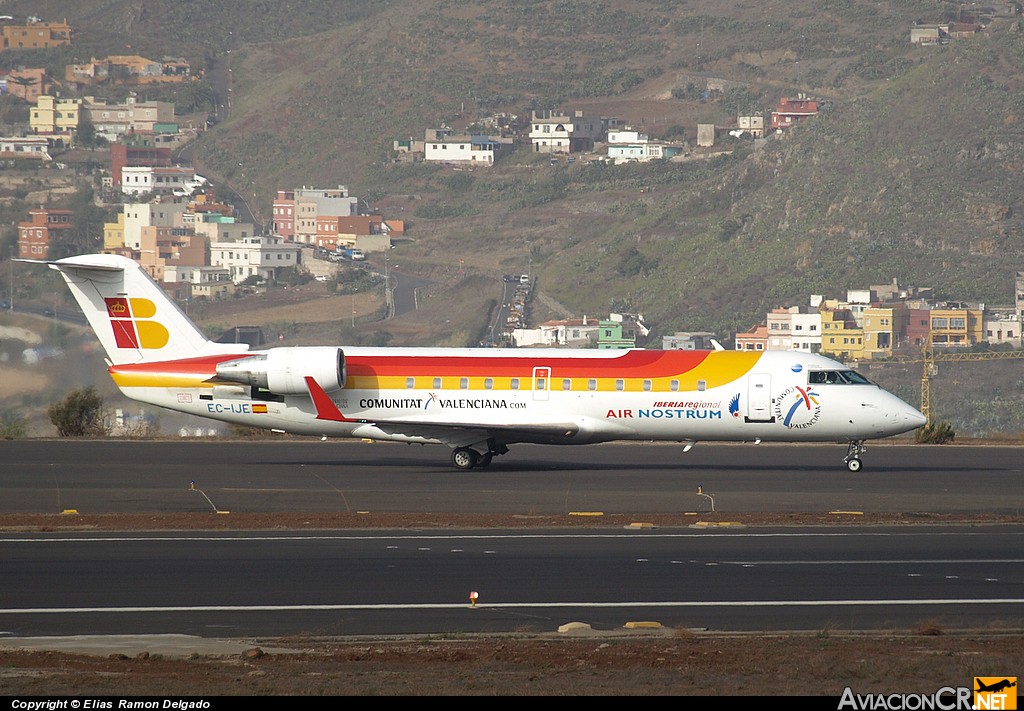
[(935, 433), (12, 424), (79, 414)]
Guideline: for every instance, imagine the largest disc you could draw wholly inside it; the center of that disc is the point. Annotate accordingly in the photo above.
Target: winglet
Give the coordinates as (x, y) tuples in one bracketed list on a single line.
[(325, 407)]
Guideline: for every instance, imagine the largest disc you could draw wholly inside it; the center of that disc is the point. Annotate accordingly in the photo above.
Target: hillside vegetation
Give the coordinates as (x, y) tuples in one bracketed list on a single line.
[(912, 172)]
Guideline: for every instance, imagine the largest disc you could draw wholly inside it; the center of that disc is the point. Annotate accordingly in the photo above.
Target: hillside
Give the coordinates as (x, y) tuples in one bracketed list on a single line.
[(913, 172)]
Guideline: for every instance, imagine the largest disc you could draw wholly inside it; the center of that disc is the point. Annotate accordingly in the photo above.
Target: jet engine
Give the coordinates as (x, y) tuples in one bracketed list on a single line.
[(283, 370)]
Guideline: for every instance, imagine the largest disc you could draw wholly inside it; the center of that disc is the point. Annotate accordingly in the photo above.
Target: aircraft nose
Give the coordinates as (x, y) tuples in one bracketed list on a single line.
[(901, 416), (910, 417), (915, 418)]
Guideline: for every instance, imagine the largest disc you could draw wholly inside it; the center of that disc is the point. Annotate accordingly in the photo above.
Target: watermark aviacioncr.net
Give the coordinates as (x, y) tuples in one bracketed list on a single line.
[(989, 693)]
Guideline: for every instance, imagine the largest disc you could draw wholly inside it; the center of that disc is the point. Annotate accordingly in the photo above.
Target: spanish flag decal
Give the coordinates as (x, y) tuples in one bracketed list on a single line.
[(129, 318), (259, 409)]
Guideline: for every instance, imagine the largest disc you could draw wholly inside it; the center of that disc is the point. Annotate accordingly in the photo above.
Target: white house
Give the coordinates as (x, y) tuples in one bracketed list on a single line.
[(254, 256), (563, 133), (794, 329), (472, 150), (25, 147), (138, 180)]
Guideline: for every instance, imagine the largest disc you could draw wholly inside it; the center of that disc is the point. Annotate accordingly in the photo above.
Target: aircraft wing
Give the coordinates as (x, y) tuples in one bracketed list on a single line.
[(452, 433)]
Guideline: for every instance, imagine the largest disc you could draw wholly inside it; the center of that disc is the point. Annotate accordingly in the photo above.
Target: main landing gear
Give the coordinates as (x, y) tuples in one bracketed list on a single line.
[(853, 453), (466, 458)]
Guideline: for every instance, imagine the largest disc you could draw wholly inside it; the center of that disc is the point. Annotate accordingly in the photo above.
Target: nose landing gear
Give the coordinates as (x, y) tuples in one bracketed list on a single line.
[(853, 453)]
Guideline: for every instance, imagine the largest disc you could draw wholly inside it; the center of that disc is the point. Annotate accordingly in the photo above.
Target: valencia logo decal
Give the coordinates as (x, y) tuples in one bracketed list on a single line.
[(798, 407), (131, 321)]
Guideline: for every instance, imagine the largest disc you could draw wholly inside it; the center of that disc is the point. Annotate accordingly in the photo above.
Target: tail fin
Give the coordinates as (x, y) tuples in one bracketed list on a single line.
[(132, 316)]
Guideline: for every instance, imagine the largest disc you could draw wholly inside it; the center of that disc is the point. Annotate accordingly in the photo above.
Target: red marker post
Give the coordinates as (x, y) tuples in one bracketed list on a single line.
[(472, 598)]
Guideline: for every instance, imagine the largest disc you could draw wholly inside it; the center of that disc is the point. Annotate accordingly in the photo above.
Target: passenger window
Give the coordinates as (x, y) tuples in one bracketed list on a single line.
[(514, 384), (488, 383), (592, 384), (702, 385), (620, 384), (647, 386), (437, 383), (410, 383), (542, 384), (674, 386), (566, 384), (463, 383)]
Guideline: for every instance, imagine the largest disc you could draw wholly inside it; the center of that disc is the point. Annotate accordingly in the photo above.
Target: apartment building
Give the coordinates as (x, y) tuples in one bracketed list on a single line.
[(51, 115), (43, 227)]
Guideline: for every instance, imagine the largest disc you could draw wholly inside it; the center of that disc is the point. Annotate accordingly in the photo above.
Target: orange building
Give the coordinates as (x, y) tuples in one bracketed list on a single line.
[(756, 339), (35, 35), (42, 227), (27, 83)]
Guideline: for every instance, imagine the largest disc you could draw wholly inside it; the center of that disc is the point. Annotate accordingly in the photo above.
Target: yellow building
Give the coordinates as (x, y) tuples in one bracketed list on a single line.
[(841, 337), (35, 35), (957, 326), (53, 115), (882, 328), (113, 234)]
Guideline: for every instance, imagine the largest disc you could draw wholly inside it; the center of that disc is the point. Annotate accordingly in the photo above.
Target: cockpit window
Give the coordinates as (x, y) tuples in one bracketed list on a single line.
[(856, 378), (837, 377)]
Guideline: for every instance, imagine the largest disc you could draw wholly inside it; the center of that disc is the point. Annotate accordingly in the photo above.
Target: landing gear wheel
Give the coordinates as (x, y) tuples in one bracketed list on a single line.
[(485, 460), (853, 453), (465, 458)]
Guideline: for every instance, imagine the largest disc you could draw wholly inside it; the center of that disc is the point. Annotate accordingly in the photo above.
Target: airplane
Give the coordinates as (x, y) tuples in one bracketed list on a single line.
[(475, 401), (996, 687)]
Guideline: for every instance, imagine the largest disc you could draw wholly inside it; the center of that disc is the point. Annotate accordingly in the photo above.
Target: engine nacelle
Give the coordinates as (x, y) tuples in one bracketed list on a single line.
[(283, 370)]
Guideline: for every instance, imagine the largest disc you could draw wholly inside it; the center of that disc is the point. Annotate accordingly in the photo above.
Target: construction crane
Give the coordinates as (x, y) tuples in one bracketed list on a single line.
[(929, 358)]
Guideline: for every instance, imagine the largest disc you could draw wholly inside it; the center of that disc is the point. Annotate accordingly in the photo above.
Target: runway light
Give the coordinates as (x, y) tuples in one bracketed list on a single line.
[(472, 598)]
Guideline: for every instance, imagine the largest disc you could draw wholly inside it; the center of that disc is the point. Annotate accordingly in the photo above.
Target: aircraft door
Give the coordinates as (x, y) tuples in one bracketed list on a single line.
[(759, 397), (541, 383)]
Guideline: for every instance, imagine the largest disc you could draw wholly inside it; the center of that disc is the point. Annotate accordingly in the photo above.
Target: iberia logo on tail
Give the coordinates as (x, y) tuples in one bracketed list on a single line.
[(130, 319)]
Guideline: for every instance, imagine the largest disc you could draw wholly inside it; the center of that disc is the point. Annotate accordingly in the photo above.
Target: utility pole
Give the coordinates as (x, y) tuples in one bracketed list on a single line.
[(387, 288)]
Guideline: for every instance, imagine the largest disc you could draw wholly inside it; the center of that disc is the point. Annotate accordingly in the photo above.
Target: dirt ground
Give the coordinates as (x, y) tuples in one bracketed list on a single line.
[(678, 663), (641, 662)]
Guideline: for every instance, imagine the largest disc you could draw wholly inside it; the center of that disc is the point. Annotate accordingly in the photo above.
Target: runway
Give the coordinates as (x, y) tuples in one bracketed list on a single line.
[(374, 582), (313, 476), (253, 584)]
